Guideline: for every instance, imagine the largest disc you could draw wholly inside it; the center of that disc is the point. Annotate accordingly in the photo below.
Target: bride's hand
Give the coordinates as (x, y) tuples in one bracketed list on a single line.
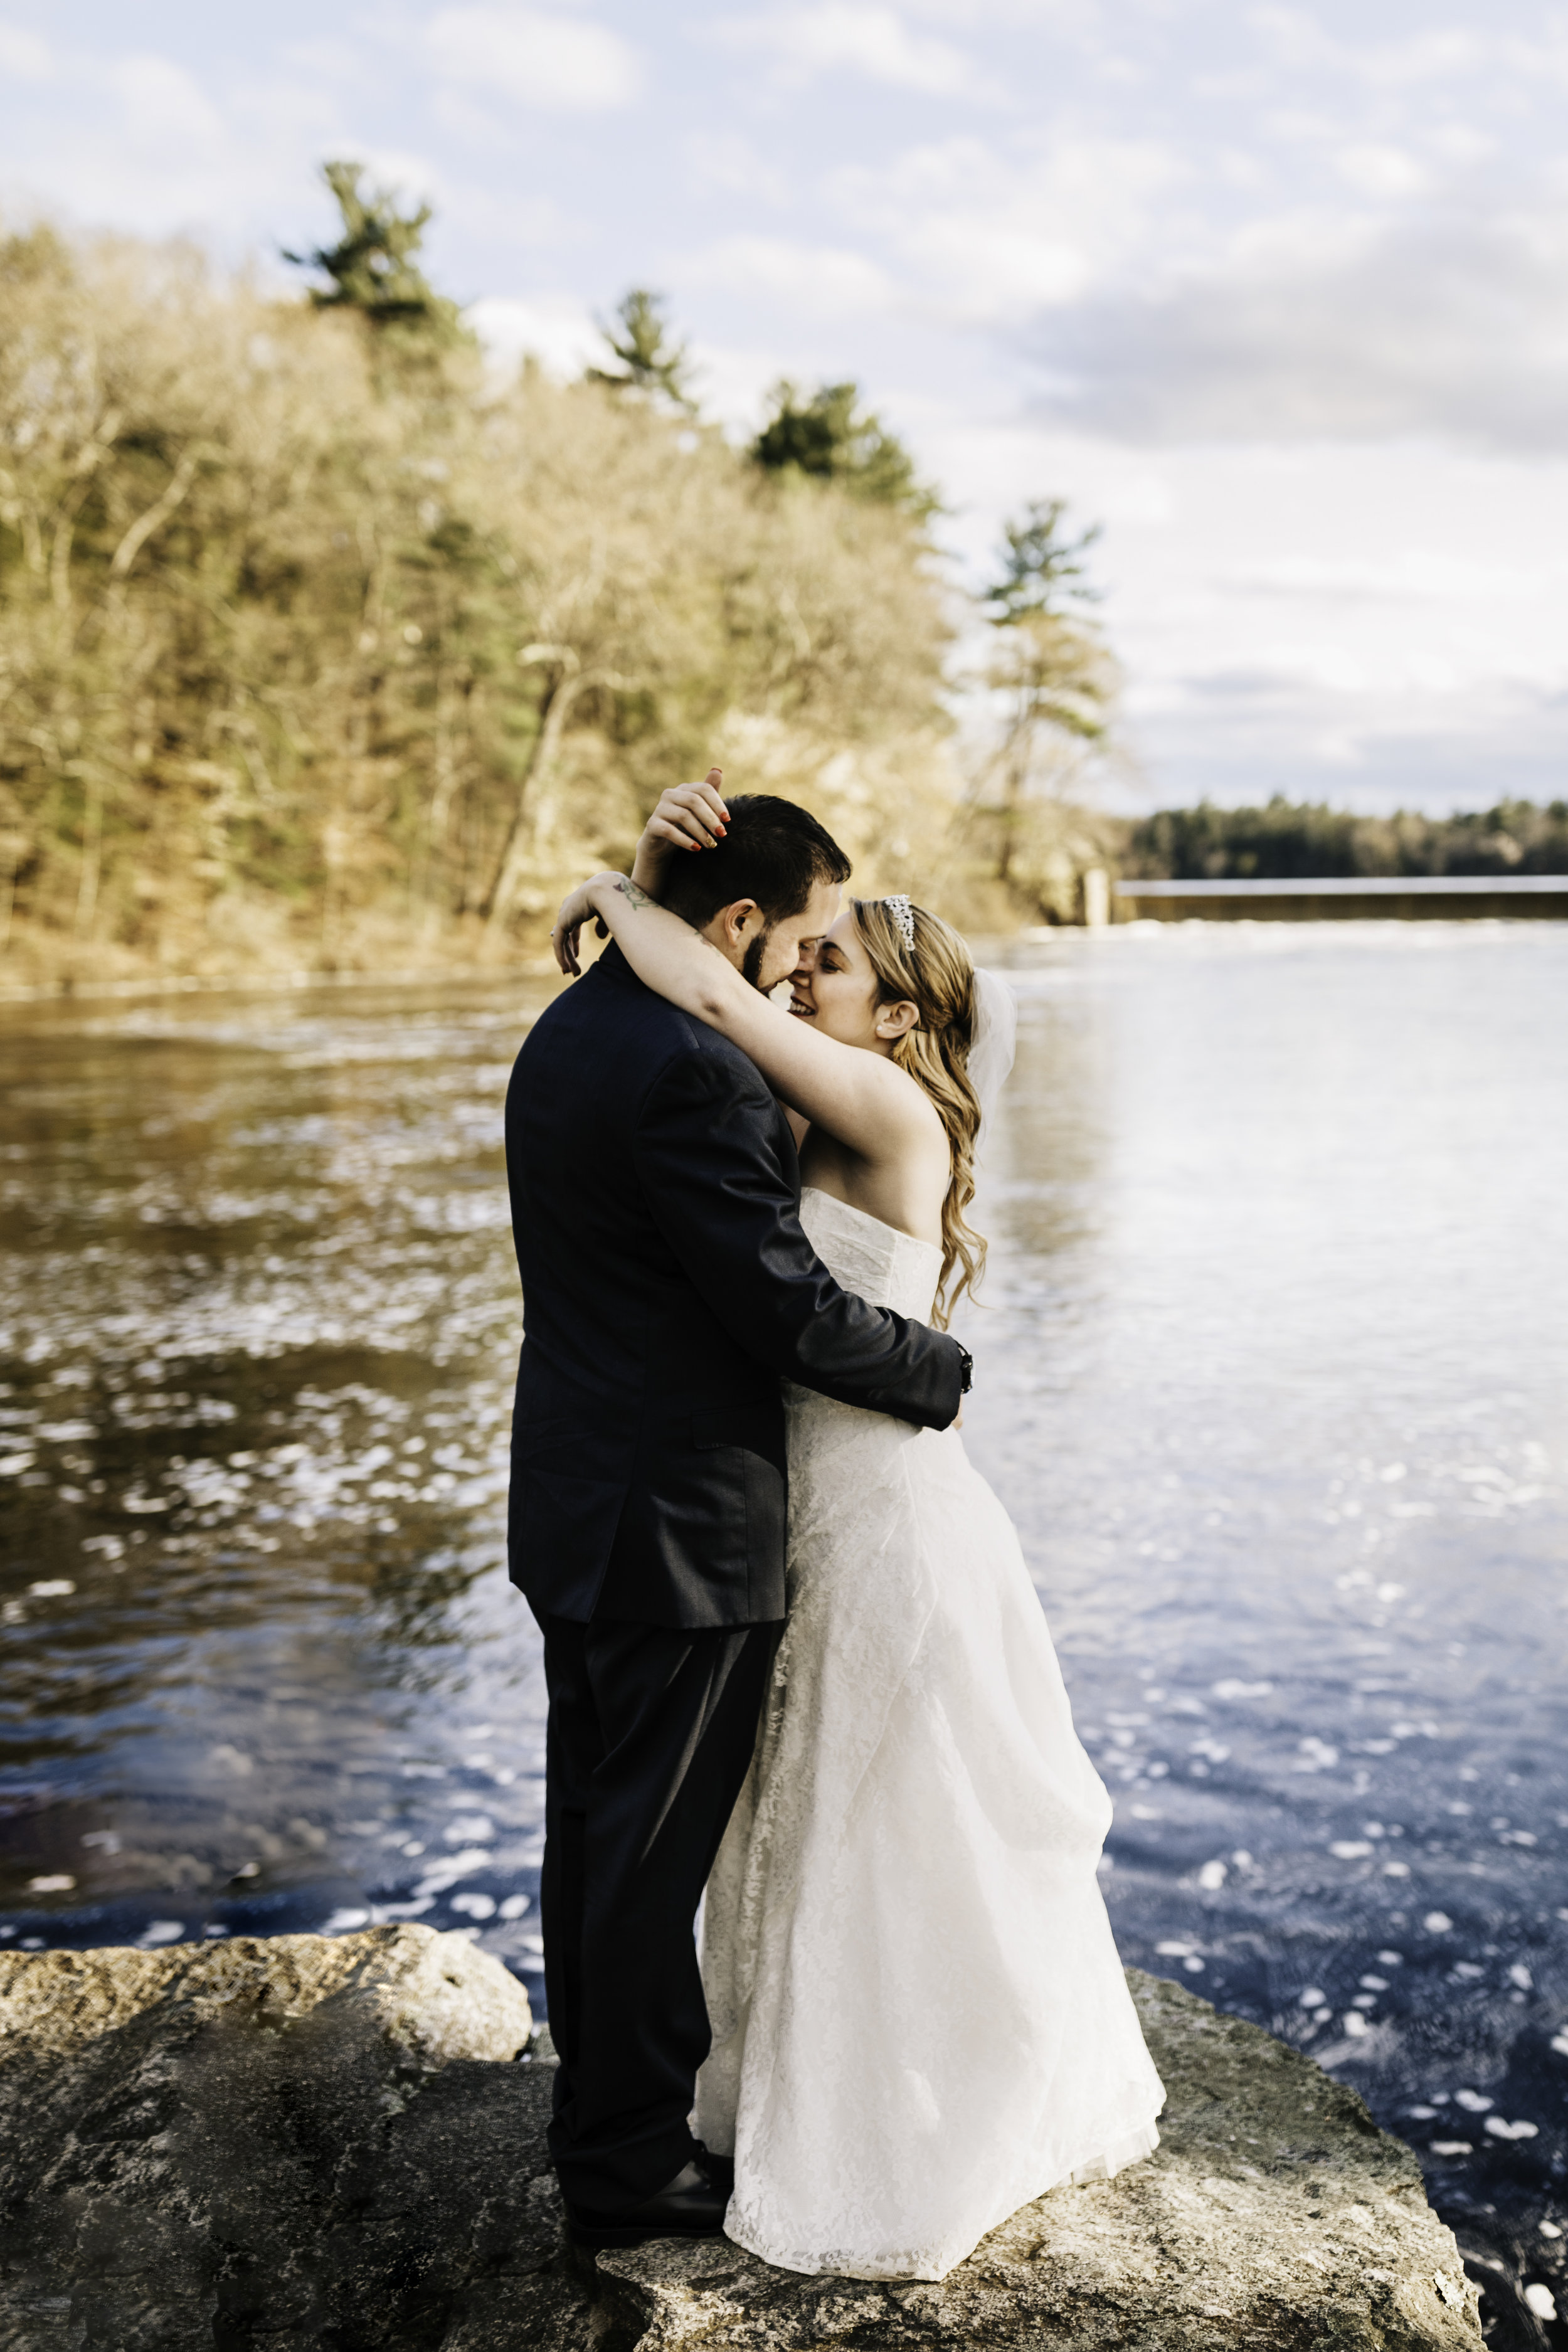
[(688, 817), (577, 909)]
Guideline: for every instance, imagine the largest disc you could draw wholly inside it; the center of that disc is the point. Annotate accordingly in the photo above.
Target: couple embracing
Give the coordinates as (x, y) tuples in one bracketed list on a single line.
[(796, 1665)]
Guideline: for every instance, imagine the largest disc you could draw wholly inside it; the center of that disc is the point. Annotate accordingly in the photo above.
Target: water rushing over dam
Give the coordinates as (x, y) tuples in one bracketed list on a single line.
[(1270, 1371)]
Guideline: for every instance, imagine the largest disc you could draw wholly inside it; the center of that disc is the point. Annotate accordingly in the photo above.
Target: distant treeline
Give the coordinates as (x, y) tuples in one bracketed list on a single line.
[(325, 643), (1284, 839)]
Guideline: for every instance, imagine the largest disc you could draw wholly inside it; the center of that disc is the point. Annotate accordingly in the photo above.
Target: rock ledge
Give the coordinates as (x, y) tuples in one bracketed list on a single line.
[(323, 2142)]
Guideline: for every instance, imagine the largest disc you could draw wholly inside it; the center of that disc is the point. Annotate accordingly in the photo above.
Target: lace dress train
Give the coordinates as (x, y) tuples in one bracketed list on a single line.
[(919, 2018)]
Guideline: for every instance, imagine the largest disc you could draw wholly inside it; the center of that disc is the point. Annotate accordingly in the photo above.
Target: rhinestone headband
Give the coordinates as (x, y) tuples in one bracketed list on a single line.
[(903, 914)]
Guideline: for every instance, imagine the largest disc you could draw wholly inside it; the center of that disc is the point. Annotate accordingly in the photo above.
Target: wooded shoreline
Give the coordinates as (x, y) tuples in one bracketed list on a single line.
[(326, 642), (325, 646)]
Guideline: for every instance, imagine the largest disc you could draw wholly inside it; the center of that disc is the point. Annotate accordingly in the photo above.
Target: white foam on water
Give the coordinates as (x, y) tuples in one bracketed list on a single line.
[(162, 1931)]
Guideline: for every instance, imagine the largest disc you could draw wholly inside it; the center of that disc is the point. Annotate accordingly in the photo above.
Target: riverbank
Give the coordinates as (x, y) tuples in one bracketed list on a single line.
[(41, 964), (69, 988)]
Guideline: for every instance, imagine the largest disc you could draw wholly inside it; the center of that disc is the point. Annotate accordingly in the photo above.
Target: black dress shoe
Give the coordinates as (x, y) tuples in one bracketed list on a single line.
[(691, 2206)]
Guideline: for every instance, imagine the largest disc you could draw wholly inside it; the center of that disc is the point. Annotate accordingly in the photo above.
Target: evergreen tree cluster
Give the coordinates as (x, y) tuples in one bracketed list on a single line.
[(1283, 839), (320, 646), (827, 436)]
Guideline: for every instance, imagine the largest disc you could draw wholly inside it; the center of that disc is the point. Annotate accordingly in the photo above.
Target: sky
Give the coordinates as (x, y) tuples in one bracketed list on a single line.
[(1277, 295)]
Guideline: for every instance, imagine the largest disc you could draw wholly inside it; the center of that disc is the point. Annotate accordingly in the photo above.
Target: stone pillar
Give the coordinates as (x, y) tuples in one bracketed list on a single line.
[(1096, 898)]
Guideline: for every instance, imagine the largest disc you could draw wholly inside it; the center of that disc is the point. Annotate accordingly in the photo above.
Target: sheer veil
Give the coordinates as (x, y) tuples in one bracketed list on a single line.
[(995, 1043)]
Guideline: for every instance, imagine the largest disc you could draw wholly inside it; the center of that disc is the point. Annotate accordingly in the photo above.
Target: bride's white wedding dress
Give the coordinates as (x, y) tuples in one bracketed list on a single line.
[(920, 2020)]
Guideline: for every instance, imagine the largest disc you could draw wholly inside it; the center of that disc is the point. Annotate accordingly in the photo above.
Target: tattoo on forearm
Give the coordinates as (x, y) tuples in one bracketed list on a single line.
[(637, 896)]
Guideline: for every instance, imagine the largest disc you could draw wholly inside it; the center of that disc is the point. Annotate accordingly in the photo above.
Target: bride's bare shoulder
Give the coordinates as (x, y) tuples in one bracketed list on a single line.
[(918, 1105), (887, 1115)]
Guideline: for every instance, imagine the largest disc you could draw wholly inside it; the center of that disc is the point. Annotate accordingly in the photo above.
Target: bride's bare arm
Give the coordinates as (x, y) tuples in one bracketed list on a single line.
[(864, 1100)]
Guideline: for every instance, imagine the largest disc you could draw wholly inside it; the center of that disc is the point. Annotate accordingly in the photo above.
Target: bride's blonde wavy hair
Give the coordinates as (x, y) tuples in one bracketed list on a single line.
[(937, 975)]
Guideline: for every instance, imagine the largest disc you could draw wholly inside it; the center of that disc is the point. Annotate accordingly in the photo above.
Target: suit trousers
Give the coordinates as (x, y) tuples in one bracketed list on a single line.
[(651, 1730)]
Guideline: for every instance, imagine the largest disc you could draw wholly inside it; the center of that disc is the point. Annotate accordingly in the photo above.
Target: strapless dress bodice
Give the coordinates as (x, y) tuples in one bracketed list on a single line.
[(875, 1261)]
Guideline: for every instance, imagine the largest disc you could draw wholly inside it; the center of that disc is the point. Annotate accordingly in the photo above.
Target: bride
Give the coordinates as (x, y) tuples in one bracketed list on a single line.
[(920, 2020)]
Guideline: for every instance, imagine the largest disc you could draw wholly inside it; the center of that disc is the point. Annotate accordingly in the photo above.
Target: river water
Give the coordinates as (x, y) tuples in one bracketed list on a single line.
[(1272, 1372)]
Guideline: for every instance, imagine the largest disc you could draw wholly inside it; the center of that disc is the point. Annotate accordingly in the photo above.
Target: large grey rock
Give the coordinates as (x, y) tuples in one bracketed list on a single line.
[(433, 1998), (309, 2141), (323, 2143)]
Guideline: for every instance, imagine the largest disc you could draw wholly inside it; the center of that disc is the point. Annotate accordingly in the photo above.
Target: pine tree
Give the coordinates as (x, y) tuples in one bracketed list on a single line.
[(1042, 571), (649, 362), (830, 436), (372, 266), (1058, 682)]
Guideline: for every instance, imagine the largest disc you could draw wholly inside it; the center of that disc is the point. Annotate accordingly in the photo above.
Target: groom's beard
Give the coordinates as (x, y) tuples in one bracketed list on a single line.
[(752, 961)]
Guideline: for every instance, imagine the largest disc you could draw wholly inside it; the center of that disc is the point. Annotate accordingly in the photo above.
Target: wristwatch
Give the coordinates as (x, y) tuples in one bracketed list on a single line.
[(968, 1382)]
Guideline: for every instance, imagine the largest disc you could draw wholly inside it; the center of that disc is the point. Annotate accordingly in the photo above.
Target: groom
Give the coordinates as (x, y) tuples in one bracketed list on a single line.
[(668, 1288)]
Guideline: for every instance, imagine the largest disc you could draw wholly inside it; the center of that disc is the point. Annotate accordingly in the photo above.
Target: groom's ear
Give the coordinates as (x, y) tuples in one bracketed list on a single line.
[(732, 929)]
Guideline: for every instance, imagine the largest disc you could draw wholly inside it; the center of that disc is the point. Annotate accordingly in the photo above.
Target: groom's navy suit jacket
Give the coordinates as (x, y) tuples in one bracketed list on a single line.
[(667, 1285)]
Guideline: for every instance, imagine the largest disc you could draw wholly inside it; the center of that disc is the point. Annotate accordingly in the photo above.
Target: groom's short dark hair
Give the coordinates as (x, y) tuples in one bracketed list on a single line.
[(772, 852)]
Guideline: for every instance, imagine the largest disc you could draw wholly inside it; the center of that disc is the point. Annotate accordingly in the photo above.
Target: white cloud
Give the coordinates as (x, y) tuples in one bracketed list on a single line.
[(726, 161), (1453, 323), (1372, 623), (1301, 43), (990, 235), (1375, 171), (165, 105), (819, 281), (734, 381), (842, 36), (1242, 739), (564, 64), (1425, 575), (326, 58), (555, 328), (23, 56)]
